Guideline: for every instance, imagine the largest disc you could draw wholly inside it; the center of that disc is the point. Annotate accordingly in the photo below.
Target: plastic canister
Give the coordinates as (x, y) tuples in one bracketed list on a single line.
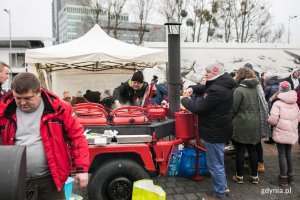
[(184, 125), (68, 188)]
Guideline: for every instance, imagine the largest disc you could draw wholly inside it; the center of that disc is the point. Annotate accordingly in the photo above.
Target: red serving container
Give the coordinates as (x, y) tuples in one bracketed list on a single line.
[(129, 115), (185, 124), (156, 112), (91, 114)]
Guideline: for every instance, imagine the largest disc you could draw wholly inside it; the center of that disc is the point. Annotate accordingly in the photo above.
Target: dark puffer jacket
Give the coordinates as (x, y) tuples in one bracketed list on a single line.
[(127, 95), (272, 86), (214, 110)]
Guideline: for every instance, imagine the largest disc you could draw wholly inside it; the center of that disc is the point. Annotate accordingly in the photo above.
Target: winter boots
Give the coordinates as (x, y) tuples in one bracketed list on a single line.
[(280, 181), (238, 179), (254, 179), (261, 167), (290, 178)]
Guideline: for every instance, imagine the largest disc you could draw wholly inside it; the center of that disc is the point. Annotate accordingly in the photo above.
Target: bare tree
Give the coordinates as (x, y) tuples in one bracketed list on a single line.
[(263, 31), (92, 9), (226, 19), (278, 33), (118, 6), (189, 23), (248, 21), (212, 21), (196, 8), (141, 10), (246, 16), (167, 8), (181, 12), (108, 10)]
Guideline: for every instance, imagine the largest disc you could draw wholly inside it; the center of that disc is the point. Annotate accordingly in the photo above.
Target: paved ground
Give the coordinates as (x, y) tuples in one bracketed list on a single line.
[(185, 189)]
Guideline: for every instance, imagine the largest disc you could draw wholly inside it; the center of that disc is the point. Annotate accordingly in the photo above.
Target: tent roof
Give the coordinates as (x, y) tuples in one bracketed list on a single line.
[(95, 51)]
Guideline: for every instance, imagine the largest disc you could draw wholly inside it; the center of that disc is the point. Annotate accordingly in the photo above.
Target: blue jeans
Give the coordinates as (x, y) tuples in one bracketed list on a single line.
[(215, 165)]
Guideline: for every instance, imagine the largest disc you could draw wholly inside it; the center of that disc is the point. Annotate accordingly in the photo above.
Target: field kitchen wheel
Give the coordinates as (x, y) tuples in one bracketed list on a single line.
[(114, 180)]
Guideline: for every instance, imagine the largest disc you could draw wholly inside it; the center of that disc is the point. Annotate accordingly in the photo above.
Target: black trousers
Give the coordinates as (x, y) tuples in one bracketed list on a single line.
[(240, 157), (43, 189)]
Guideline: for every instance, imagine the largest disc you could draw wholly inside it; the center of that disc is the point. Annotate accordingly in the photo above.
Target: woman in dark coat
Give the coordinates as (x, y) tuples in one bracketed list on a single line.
[(246, 122)]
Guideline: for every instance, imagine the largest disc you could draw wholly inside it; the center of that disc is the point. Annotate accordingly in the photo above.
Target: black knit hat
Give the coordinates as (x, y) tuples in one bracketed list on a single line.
[(138, 77), (92, 96)]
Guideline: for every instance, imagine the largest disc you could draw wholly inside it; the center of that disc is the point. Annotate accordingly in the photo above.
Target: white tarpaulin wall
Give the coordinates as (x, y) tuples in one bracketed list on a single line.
[(95, 51), (277, 59)]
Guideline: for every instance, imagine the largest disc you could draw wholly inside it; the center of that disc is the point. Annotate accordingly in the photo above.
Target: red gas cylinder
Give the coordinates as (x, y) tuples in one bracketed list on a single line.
[(185, 125)]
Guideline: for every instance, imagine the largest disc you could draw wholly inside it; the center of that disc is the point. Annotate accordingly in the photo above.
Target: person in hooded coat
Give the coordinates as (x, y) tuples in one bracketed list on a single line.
[(246, 122), (293, 79), (285, 116)]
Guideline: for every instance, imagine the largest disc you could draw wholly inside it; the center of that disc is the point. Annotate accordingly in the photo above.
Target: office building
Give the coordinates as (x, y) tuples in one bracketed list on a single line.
[(72, 19)]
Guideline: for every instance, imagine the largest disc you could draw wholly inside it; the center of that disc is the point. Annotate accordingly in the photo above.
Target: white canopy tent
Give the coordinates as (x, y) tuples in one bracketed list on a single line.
[(94, 61), (95, 51)]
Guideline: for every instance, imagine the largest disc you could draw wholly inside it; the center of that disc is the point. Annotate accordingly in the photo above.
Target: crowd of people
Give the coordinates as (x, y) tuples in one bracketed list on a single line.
[(240, 107), (243, 108)]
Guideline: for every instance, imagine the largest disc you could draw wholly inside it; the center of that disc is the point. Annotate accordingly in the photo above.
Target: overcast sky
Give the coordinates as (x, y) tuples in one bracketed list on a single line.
[(33, 18)]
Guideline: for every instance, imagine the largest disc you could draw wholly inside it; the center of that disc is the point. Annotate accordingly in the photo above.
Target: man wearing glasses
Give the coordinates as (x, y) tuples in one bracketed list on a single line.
[(131, 92), (38, 119)]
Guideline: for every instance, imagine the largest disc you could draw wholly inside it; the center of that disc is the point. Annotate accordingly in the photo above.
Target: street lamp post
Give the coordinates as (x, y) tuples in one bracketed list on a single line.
[(173, 74), (289, 28), (9, 17)]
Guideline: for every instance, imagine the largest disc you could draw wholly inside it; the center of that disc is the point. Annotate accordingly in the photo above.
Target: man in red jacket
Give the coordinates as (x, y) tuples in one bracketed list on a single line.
[(47, 126)]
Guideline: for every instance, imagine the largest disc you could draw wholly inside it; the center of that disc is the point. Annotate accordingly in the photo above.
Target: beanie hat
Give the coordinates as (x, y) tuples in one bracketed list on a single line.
[(284, 86), (92, 96), (138, 77), (155, 78), (248, 65), (216, 68)]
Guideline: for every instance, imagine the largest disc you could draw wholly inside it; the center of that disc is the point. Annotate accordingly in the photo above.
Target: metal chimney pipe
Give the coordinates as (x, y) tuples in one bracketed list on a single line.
[(174, 76)]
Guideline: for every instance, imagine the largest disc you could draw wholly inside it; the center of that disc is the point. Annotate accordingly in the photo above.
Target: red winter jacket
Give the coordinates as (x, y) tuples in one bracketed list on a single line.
[(59, 128)]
